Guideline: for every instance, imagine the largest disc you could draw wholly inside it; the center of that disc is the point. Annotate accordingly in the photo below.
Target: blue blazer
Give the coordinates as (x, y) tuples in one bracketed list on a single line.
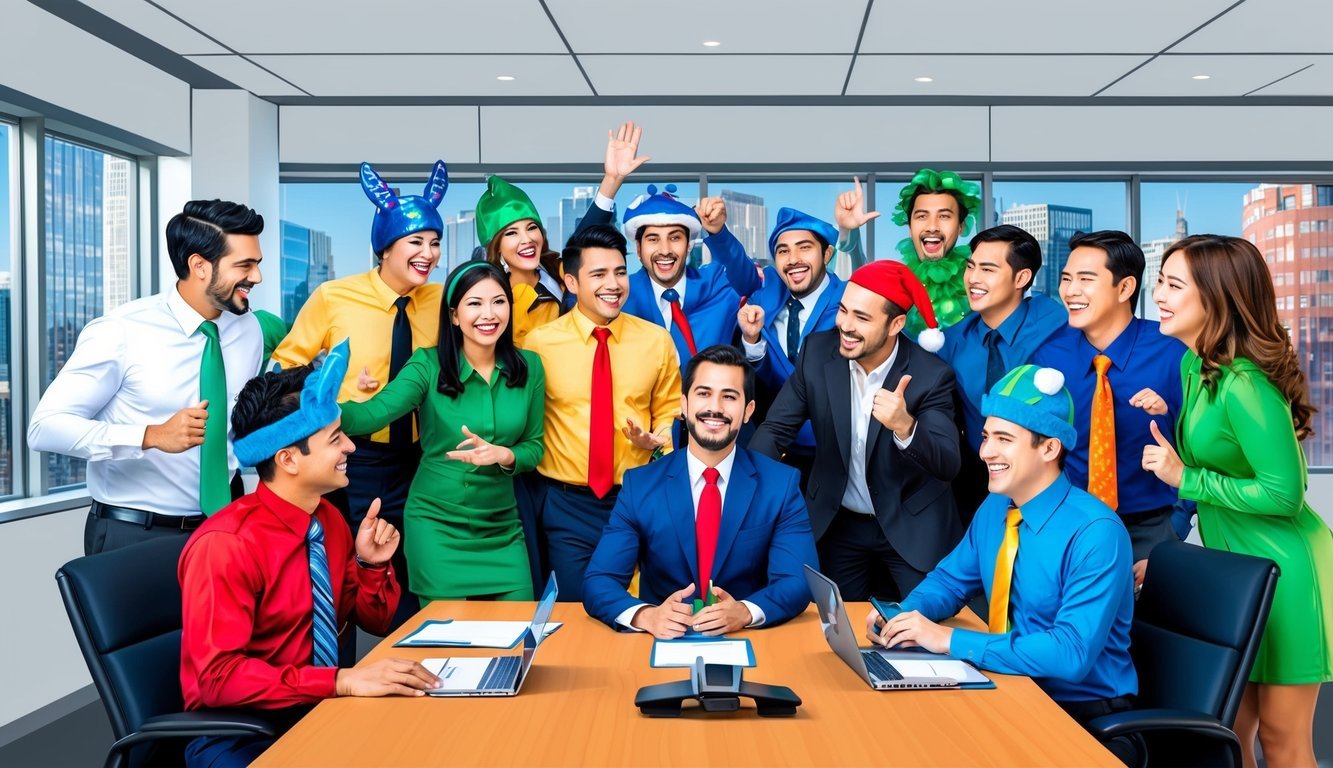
[(775, 368), (764, 540), (712, 296)]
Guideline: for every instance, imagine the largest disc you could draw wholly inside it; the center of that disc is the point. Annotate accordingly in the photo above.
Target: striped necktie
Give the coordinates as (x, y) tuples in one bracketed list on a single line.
[(324, 628), (998, 616)]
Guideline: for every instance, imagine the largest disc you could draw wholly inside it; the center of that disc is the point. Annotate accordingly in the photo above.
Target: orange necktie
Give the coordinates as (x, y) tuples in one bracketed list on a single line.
[(1101, 438), (1004, 571)]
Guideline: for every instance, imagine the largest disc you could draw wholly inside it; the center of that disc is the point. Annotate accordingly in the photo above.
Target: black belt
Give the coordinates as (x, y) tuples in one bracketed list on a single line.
[(580, 489), (1083, 711), (145, 518)]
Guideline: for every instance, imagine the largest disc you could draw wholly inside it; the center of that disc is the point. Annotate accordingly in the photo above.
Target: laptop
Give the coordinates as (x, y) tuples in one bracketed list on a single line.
[(883, 669), (494, 675)]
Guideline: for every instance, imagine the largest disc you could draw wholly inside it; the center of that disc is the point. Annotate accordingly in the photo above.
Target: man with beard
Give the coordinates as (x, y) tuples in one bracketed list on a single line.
[(145, 397), (697, 304), (723, 532), (882, 411), (937, 207)]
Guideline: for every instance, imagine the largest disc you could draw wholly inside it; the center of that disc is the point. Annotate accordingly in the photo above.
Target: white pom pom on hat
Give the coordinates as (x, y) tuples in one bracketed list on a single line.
[(932, 340), (1048, 381)]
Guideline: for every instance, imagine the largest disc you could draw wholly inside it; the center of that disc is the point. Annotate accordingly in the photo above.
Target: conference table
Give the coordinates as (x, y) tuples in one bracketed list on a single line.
[(577, 708)]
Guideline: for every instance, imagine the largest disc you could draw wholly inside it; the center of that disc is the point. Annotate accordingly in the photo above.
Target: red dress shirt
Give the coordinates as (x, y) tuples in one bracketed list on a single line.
[(245, 578)]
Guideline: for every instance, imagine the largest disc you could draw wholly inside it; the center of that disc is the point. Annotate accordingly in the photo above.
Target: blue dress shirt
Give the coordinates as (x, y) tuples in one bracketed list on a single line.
[(1071, 595), (1140, 357), (964, 349)]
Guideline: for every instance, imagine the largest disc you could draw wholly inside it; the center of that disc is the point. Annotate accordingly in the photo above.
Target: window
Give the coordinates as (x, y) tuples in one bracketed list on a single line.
[(89, 197), (1053, 211), (8, 185)]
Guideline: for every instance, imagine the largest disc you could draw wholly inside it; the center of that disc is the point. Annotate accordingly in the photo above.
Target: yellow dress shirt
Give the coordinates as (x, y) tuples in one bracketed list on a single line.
[(360, 308), (645, 384), (529, 313)]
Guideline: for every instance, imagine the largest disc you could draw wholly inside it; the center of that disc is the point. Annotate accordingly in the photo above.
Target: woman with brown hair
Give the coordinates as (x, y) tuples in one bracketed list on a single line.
[(1246, 409)]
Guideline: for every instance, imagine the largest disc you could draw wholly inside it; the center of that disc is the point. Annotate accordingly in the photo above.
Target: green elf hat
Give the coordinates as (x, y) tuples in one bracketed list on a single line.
[(500, 205), (929, 181), (1036, 399)]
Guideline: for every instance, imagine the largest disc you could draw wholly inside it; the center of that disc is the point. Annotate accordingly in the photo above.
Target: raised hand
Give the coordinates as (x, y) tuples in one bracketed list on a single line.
[(376, 538), (751, 320), (669, 620), (622, 150), (849, 212), (183, 431), (1149, 401), (713, 213), (478, 452), (890, 409), (1162, 460), (640, 437)]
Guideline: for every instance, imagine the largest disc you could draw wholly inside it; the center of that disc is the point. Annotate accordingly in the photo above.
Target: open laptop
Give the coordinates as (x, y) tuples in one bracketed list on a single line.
[(494, 675), (882, 669)]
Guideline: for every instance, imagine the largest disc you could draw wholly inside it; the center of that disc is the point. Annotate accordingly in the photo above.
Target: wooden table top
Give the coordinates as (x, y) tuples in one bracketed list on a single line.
[(577, 708)]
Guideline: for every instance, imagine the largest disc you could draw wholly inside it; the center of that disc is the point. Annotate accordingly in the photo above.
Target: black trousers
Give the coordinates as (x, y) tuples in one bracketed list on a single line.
[(856, 555), (1148, 529)]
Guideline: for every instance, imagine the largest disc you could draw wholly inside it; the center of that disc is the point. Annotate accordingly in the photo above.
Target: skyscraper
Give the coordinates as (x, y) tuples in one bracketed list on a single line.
[(1052, 226), (307, 261), (571, 212), (1152, 254), (1292, 225), (115, 232), (6, 454), (461, 233), (747, 218)]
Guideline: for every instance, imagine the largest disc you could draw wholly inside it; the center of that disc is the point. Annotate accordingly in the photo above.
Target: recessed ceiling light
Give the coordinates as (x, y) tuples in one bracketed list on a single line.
[(505, 78), (711, 43), (1202, 77), (924, 79)]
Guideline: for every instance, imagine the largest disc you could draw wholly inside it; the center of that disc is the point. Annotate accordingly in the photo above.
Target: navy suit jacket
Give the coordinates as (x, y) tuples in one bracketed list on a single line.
[(764, 539), (774, 369)]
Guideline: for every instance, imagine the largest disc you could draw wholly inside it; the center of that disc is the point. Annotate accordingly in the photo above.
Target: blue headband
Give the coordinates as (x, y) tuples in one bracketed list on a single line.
[(319, 408)]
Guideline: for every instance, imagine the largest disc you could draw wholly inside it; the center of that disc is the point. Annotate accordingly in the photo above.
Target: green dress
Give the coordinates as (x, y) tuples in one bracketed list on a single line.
[(1246, 470), (462, 527)]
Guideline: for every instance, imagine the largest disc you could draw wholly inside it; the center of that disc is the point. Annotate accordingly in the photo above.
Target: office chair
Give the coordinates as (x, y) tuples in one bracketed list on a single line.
[(1196, 631), (125, 608)]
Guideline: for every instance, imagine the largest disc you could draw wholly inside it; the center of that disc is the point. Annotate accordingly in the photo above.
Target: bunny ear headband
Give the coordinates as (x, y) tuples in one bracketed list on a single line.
[(397, 217), (319, 408)]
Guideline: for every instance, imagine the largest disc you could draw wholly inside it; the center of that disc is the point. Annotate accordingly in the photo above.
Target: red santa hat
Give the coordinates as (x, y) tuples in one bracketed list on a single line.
[(895, 282)]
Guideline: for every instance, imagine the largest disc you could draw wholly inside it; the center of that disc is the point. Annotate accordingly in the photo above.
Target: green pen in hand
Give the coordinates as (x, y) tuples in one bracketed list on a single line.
[(706, 600)]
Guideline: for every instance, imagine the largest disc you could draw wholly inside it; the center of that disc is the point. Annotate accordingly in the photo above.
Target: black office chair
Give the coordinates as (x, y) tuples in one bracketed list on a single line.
[(125, 607), (1196, 631)]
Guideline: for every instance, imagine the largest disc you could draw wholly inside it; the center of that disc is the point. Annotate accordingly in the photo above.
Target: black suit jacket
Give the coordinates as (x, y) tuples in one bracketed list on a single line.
[(910, 488)]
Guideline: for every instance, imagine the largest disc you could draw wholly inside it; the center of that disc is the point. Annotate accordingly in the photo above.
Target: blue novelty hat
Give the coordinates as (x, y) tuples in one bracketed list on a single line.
[(660, 209), (1036, 399), (397, 217), (319, 408), (790, 218)]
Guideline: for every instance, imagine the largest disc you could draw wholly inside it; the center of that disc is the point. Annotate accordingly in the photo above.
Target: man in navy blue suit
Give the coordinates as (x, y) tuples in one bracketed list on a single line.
[(714, 516)]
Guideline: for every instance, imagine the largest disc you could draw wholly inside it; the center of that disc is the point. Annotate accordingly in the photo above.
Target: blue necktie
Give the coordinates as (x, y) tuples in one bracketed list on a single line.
[(794, 308), (994, 363), (325, 630)]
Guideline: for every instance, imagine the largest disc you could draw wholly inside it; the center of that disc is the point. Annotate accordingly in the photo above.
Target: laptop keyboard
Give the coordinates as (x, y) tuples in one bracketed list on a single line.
[(879, 668), (501, 675)]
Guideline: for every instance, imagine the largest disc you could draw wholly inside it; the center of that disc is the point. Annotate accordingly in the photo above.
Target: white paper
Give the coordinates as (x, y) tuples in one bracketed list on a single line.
[(682, 653), (461, 674), (953, 670), (475, 634)]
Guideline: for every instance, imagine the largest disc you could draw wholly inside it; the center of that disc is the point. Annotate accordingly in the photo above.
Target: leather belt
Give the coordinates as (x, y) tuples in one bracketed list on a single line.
[(144, 518), (582, 490)]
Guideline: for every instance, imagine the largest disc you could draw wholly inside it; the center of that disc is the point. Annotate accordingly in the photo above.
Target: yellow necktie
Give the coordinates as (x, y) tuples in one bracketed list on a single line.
[(1004, 571), (1101, 438)]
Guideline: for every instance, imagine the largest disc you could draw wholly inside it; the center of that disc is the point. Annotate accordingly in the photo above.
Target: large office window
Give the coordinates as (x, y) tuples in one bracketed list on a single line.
[(1052, 211), (88, 256), (8, 185)]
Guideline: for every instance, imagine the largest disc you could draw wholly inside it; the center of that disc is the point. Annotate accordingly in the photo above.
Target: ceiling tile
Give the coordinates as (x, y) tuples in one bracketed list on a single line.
[(411, 75), (741, 26), (1075, 76), (1270, 26), (1315, 81), (245, 74), (1033, 26), (1227, 75), (716, 75), (156, 25), (384, 26)]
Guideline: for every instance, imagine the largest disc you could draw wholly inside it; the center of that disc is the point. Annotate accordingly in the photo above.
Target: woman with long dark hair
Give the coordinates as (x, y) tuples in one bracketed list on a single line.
[(481, 402), (1238, 454)]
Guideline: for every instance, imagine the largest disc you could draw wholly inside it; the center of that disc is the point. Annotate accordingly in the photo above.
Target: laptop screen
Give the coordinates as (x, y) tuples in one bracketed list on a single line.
[(540, 618)]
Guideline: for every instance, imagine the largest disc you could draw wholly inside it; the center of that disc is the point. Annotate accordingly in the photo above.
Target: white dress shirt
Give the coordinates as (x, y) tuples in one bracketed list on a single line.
[(755, 352), (863, 387), (132, 368), (697, 482), (663, 305)]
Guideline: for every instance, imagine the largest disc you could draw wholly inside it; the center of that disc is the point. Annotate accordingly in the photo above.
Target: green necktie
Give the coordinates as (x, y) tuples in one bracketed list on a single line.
[(214, 486)]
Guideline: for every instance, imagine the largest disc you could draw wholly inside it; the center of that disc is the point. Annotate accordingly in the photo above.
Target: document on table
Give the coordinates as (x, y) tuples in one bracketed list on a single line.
[(470, 634), (682, 652)]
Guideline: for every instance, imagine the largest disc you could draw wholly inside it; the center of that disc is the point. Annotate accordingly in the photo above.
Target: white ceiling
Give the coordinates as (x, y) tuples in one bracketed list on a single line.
[(635, 48)]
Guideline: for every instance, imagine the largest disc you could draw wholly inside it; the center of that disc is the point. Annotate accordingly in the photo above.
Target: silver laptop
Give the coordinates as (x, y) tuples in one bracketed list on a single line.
[(495, 675), (882, 669)]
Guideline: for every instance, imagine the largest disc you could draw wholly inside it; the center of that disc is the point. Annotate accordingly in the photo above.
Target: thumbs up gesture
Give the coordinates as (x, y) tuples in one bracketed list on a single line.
[(1162, 460), (376, 538), (890, 409)]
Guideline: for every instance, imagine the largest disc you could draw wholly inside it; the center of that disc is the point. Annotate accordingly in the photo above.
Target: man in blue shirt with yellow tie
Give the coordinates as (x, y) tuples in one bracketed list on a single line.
[(1123, 374), (1000, 334), (1052, 560)]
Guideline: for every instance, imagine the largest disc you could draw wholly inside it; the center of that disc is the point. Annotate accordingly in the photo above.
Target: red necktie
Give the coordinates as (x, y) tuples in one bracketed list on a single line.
[(707, 521), (601, 428), (678, 317)]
